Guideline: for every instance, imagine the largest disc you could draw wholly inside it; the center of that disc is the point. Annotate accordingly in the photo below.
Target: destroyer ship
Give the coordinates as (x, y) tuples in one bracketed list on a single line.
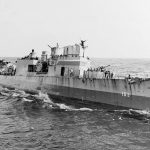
[(67, 74)]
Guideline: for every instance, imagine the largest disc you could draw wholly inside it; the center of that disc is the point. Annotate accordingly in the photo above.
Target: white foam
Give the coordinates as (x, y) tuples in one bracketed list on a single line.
[(15, 95), (48, 103), (45, 97), (4, 94), (63, 106), (20, 92), (142, 112), (27, 100), (70, 108), (6, 89), (85, 109)]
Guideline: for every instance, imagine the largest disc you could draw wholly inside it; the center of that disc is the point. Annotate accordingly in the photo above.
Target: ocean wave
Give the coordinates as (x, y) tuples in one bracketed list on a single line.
[(46, 102), (42, 99)]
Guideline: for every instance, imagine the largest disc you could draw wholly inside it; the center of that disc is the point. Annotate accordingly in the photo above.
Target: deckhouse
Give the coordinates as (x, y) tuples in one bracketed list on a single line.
[(27, 64), (68, 61)]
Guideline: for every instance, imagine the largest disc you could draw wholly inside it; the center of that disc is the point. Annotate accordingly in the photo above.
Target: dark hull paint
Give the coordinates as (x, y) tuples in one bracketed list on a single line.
[(115, 99)]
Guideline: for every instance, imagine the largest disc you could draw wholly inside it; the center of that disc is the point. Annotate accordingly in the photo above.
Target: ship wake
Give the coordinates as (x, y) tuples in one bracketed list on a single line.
[(42, 100), (48, 103), (38, 100), (143, 115)]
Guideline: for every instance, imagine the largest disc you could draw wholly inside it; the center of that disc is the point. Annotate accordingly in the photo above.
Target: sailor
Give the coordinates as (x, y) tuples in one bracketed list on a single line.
[(32, 54), (108, 74), (129, 77), (71, 72), (102, 69), (105, 74), (111, 75)]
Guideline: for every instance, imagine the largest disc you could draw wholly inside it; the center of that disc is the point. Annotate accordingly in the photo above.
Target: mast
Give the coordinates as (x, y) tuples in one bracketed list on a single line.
[(83, 46)]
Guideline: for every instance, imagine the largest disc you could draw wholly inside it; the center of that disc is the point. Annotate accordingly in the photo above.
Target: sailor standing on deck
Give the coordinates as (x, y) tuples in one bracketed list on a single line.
[(32, 54)]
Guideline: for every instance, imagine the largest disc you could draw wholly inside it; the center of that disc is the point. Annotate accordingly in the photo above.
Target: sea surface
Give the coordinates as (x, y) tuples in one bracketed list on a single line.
[(37, 122)]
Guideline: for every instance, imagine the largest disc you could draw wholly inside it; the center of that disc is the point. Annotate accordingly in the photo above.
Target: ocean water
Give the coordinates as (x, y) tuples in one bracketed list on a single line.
[(37, 122), (123, 67)]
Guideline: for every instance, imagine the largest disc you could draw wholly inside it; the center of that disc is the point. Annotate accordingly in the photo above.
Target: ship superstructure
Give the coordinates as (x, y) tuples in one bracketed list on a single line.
[(68, 61), (63, 62)]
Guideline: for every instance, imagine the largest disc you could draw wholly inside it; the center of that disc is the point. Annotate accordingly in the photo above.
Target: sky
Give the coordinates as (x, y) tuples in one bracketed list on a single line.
[(112, 28)]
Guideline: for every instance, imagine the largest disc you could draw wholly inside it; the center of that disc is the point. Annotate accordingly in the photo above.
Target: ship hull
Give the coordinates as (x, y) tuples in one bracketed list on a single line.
[(116, 92)]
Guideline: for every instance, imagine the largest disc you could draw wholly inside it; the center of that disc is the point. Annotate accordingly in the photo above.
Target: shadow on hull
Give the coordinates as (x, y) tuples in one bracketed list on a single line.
[(117, 110)]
